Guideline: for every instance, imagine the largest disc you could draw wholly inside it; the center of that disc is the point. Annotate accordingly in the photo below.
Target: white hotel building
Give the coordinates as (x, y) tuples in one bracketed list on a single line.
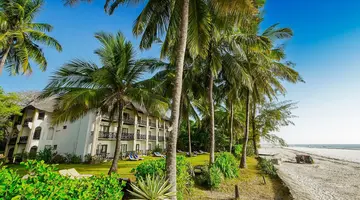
[(92, 134)]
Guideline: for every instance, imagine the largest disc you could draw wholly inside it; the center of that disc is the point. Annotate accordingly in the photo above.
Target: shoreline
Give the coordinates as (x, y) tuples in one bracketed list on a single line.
[(328, 178)]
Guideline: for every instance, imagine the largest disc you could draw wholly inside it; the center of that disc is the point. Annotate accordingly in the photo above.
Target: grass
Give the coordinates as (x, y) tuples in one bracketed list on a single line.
[(250, 181), (124, 166)]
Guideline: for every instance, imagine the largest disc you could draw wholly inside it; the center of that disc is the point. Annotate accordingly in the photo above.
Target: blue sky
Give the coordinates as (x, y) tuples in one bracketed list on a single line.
[(325, 48)]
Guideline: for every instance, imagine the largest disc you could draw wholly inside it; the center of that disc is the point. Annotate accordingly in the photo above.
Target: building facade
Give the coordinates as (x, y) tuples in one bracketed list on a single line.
[(93, 134)]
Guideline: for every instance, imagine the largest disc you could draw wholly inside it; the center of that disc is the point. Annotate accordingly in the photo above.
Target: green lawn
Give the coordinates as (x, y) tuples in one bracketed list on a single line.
[(124, 166)]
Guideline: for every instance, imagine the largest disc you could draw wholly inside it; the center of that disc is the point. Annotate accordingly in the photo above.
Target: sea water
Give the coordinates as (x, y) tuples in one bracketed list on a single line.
[(328, 146)]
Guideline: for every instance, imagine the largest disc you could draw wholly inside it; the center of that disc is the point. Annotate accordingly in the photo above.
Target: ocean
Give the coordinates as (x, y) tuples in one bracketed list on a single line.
[(328, 146)]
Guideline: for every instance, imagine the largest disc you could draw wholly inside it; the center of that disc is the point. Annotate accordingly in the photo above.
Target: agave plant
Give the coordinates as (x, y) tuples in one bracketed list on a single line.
[(152, 188)]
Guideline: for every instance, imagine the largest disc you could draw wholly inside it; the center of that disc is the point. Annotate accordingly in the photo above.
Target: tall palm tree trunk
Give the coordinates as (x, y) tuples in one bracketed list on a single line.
[(114, 165), (171, 145), (3, 59), (189, 133), (253, 122), (231, 125), (212, 119), (246, 134)]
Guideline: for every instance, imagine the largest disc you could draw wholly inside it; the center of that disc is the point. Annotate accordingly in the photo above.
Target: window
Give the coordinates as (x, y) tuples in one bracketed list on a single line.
[(149, 146), (150, 133), (65, 127), (55, 146), (138, 131), (37, 133), (103, 148), (126, 115), (124, 148), (50, 134), (41, 116), (137, 147), (104, 128), (139, 119), (125, 130)]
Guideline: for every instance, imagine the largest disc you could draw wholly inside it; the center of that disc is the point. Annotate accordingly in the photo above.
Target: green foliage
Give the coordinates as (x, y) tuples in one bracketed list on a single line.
[(158, 168), (267, 167), (58, 159), (9, 106), (44, 182), (157, 149), (211, 177), (73, 158), (46, 155), (238, 150), (21, 36), (250, 151), (227, 164), (152, 188)]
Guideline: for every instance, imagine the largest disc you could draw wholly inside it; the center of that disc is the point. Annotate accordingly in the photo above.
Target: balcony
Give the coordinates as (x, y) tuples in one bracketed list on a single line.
[(152, 137), (152, 125), (161, 138), (129, 121), (112, 136), (127, 136), (161, 126), (23, 140), (142, 122), (12, 141), (107, 135), (140, 136), (27, 122)]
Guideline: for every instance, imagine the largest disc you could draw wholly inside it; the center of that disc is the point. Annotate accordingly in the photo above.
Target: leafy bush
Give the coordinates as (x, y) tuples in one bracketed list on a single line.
[(152, 188), (157, 149), (267, 167), (73, 158), (227, 164), (238, 150), (210, 177), (58, 159), (157, 168), (250, 151), (46, 155), (44, 182)]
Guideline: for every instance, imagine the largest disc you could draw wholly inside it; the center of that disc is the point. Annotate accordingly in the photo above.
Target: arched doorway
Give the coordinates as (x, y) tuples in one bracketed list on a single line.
[(11, 153), (32, 153)]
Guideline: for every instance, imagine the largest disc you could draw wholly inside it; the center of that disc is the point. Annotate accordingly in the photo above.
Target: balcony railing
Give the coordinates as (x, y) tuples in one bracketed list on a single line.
[(127, 136), (161, 138), (107, 135), (12, 141), (152, 137), (142, 122), (23, 140), (129, 121), (152, 124), (140, 136)]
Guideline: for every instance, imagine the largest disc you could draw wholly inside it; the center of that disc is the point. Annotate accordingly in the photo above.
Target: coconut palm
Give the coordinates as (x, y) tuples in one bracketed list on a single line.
[(20, 36), (84, 87)]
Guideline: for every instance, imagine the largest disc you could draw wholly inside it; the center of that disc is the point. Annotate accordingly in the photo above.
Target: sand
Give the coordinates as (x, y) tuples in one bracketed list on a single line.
[(335, 174)]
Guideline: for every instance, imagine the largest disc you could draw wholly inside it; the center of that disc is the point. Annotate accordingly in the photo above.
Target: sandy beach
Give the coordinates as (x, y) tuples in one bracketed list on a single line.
[(335, 174)]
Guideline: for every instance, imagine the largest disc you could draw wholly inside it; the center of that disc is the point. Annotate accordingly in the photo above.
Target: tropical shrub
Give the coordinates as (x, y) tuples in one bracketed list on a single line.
[(157, 168), (152, 188), (238, 150), (157, 149), (46, 155), (44, 182), (73, 158), (58, 159), (267, 167), (211, 177), (227, 164)]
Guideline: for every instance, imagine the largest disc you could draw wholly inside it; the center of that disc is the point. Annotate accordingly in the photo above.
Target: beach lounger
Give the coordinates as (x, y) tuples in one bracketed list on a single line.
[(196, 152), (131, 157), (137, 157), (202, 152), (72, 173), (157, 154)]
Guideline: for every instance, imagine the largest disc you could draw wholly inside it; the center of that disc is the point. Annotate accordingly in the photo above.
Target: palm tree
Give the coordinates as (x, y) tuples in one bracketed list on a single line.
[(84, 87), (20, 36)]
